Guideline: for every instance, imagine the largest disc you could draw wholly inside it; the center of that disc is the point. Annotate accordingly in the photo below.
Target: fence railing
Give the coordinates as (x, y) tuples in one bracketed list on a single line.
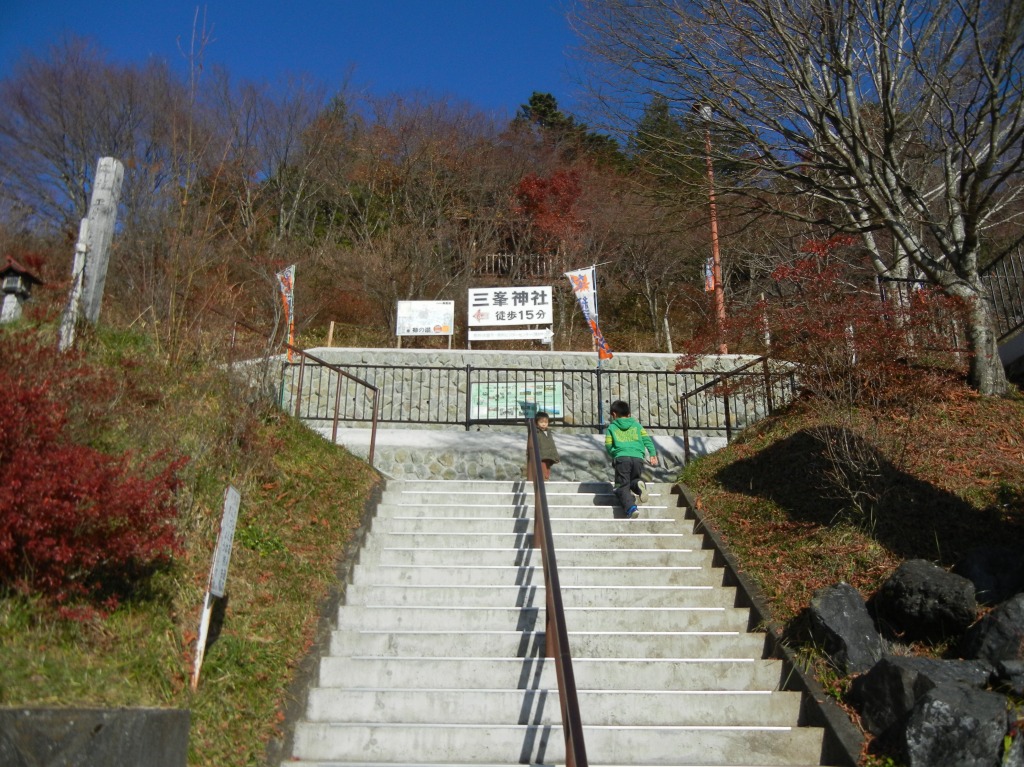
[(365, 395), (736, 398), (468, 397), (1004, 279)]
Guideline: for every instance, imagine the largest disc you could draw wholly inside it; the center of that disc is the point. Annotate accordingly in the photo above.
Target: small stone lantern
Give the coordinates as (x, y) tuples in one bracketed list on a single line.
[(17, 282)]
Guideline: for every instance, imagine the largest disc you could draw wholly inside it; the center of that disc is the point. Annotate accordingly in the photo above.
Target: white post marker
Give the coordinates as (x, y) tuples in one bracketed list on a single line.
[(218, 574)]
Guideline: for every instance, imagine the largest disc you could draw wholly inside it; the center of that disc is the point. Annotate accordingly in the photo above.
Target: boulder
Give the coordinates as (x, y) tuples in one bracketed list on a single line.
[(1010, 677), (887, 693), (841, 624), (999, 636), (997, 572), (955, 726), (923, 601)]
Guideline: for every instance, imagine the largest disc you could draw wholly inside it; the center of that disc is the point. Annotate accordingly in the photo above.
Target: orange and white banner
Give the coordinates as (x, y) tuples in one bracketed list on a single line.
[(584, 285), (286, 282)]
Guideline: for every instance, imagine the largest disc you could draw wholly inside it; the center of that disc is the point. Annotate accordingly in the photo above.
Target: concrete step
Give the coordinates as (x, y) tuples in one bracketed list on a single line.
[(628, 536), (610, 557), (509, 500), (518, 644), (615, 707), (440, 575), (535, 744), (460, 619), (439, 654), (640, 595), (505, 523), (529, 673)]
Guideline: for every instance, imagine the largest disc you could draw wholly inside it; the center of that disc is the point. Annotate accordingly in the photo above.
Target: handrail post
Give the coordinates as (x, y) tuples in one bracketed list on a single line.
[(767, 385), (337, 409), (684, 411), (728, 421), (469, 399), (373, 428), (298, 392)]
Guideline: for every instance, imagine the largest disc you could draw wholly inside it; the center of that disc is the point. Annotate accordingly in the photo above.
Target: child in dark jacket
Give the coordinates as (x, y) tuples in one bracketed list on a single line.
[(628, 443), (546, 442)]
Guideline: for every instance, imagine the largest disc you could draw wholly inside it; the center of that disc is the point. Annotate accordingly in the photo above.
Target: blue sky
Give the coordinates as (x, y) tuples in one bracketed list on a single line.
[(490, 53)]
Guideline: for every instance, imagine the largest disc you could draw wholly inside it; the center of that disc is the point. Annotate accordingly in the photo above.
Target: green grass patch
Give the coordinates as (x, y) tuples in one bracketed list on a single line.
[(302, 500)]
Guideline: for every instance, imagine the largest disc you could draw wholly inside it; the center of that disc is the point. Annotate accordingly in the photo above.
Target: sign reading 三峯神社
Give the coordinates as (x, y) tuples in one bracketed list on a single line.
[(508, 307)]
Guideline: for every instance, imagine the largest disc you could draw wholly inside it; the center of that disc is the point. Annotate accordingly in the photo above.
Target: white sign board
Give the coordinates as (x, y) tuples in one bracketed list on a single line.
[(545, 335), (425, 318), (497, 307), (219, 574)]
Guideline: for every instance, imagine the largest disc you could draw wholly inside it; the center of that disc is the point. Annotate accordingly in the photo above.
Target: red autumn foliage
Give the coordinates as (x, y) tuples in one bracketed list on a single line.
[(75, 524), (550, 204), (849, 345)]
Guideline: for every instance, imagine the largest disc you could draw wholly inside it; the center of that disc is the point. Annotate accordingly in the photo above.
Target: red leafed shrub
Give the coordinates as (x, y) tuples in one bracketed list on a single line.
[(75, 524)]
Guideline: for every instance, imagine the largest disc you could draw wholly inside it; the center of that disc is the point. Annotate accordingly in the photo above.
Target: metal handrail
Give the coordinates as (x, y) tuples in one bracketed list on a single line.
[(303, 356), (555, 631), (718, 380), (1004, 279)]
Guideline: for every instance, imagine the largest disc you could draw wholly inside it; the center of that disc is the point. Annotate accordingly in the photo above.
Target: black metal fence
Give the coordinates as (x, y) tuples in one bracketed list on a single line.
[(1004, 279), (469, 397)]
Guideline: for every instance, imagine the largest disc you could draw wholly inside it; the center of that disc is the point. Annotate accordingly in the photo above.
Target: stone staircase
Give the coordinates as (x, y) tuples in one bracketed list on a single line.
[(438, 653)]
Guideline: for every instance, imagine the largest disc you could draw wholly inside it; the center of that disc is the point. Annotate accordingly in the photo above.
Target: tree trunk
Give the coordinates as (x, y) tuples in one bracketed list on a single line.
[(986, 373)]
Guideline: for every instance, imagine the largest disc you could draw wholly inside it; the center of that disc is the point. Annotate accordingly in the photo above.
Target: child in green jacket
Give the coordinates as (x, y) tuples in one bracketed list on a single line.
[(628, 444)]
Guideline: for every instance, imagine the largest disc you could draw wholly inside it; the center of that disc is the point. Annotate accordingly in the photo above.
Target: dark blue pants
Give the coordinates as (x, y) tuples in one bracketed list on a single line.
[(627, 474)]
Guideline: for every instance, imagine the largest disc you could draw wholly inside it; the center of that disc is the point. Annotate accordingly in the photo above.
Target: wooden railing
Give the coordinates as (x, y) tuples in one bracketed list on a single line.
[(555, 631)]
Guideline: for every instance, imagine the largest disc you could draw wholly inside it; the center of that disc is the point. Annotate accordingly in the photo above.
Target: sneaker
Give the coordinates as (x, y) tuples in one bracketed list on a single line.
[(632, 512), (642, 487)]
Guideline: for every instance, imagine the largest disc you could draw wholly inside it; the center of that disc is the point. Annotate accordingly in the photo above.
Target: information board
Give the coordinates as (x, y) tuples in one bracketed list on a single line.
[(425, 318), (514, 400)]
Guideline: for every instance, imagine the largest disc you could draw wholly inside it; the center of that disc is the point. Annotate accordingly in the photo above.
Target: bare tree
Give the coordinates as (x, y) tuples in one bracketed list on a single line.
[(60, 113), (903, 116), (415, 194)]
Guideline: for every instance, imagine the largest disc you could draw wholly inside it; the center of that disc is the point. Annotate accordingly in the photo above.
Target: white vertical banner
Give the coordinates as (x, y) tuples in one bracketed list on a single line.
[(286, 283)]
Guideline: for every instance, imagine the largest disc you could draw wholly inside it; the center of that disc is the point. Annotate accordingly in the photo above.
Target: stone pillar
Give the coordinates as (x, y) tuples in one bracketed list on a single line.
[(106, 191)]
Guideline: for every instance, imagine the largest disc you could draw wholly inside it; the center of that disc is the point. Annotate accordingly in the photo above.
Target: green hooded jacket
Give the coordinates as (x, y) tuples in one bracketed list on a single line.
[(626, 438)]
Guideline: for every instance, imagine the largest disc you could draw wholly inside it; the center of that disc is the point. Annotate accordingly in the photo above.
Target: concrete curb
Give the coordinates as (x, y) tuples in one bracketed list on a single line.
[(843, 740)]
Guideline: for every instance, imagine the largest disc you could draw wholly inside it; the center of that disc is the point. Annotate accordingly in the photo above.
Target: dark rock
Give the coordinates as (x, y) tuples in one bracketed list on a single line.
[(997, 572), (955, 726), (923, 601), (1010, 677), (1014, 755), (999, 636), (841, 624), (888, 692)]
